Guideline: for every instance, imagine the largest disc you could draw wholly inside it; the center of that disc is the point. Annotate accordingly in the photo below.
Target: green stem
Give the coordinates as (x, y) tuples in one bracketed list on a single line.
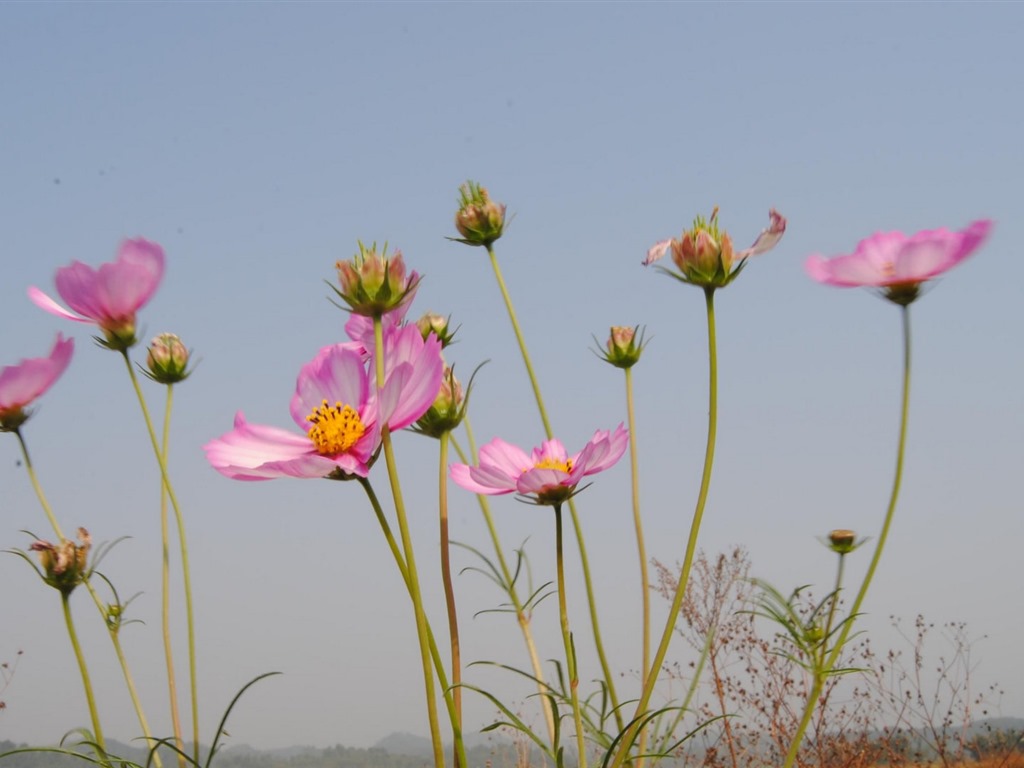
[(523, 616), (577, 528), (165, 478), (645, 589), (570, 651), (172, 685), (112, 631), (37, 487), (449, 589), (833, 656), (691, 544), (410, 560), (97, 729), (434, 653)]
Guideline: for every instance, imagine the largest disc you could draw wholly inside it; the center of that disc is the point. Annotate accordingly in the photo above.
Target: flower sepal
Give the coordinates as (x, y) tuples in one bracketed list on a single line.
[(623, 347)]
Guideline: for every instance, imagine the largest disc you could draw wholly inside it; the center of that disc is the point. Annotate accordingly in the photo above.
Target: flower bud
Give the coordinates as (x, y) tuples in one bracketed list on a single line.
[(842, 541), (447, 410), (623, 347), (479, 219), (374, 283), (704, 254), (64, 565), (167, 359), (432, 323)]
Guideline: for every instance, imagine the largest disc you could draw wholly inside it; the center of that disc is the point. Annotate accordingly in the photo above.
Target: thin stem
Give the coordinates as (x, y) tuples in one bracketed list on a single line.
[(410, 560), (37, 487), (691, 544), (577, 528), (166, 479), (97, 729), (446, 578), (844, 633), (523, 616), (112, 631), (434, 653), (172, 685), (570, 651), (645, 589)]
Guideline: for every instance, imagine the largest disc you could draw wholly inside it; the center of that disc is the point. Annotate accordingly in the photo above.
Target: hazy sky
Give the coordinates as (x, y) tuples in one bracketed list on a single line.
[(258, 142)]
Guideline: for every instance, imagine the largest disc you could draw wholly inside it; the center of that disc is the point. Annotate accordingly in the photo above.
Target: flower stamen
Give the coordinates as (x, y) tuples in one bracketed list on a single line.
[(551, 463), (336, 428)]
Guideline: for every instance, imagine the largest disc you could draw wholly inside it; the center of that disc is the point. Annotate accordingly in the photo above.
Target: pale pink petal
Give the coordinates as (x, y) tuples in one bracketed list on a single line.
[(657, 251), (338, 375), (43, 301), (603, 451), (257, 452), (22, 383), (768, 238), (418, 388), (550, 450), (463, 475), (541, 479), (116, 290), (511, 460)]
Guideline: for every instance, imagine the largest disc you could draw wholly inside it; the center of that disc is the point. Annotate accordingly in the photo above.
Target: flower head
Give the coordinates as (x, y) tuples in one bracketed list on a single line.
[(623, 347), (373, 283), (21, 384), (479, 219), (704, 254), (431, 322), (842, 541), (548, 476), (897, 264), (340, 412), (108, 296), (64, 565), (167, 359)]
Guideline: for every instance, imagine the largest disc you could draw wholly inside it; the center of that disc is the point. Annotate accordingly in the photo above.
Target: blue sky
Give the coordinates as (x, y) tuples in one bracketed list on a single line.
[(258, 142)]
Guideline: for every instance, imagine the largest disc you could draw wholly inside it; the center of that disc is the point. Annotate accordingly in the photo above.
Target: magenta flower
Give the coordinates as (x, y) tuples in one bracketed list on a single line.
[(897, 263), (337, 406), (549, 476), (108, 296), (21, 384)]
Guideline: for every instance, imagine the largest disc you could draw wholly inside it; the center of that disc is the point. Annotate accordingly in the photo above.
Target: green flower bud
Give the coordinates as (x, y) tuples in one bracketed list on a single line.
[(167, 359), (479, 219), (374, 283)]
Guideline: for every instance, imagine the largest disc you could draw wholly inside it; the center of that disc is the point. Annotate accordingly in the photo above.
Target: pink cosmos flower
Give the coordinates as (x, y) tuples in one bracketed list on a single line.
[(21, 384), (548, 476), (898, 263), (338, 408), (108, 296)]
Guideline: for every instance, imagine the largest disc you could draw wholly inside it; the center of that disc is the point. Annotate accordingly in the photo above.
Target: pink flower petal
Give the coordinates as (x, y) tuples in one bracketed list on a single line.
[(336, 374), (657, 251), (22, 383), (768, 238), (257, 452), (44, 302)]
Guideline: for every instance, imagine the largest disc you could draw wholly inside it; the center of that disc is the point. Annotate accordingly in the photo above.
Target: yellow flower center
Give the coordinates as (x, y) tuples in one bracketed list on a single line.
[(565, 466), (336, 428)]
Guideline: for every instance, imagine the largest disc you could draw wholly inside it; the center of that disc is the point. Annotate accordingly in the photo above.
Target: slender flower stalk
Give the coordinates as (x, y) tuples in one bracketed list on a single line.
[(577, 528), (634, 471), (832, 659), (691, 543), (165, 603), (165, 479), (523, 615), (570, 650), (446, 578), (396, 552), (410, 560), (97, 729)]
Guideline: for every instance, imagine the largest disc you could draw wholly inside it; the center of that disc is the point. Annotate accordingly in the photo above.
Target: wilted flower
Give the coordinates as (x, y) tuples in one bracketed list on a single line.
[(21, 384), (340, 411), (897, 264), (623, 347), (440, 326), (373, 284), (549, 476), (108, 296), (479, 219), (704, 254), (64, 565), (167, 359)]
